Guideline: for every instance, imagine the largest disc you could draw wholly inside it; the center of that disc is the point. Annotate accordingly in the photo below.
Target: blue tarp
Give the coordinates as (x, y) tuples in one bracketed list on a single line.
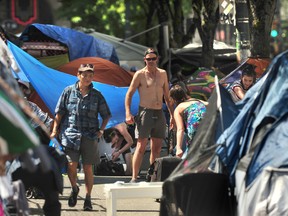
[(49, 84), (270, 151), (79, 44), (264, 102)]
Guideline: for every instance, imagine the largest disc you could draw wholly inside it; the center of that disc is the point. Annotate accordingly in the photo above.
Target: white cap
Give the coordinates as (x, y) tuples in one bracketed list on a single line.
[(26, 84)]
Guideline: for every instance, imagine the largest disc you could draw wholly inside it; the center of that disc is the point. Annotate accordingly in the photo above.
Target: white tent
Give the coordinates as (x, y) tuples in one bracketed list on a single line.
[(128, 52)]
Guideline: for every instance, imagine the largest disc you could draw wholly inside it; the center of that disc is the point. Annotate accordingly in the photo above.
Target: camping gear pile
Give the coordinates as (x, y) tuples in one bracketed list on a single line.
[(14, 121), (109, 168), (57, 71), (49, 84), (238, 150)]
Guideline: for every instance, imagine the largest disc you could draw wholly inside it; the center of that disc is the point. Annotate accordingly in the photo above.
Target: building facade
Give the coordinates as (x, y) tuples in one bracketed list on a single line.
[(15, 15)]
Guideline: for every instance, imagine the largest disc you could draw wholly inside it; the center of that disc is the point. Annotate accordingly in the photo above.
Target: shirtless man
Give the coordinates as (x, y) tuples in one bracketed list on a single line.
[(152, 85)]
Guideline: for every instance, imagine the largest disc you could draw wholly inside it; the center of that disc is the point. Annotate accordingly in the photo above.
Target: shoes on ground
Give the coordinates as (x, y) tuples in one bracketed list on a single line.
[(87, 205), (133, 181), (72, 201), (148, 178)]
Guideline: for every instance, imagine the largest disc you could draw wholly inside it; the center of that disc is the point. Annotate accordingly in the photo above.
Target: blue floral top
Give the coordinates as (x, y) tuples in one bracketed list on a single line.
[(192, 116)]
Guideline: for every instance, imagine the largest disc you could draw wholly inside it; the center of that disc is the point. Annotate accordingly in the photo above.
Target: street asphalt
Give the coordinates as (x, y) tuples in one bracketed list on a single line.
[(127, 207)]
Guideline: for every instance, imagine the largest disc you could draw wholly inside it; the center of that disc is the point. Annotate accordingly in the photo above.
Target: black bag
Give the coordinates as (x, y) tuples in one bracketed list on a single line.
[(197, 194), (162, 168), (109, 168)]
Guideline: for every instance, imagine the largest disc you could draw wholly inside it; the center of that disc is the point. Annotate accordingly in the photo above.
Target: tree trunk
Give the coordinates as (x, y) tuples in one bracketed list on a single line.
[(189, 34), (242, 25), (149, 17), (162, 12), (177, 20), (206, 20), (261, 14)]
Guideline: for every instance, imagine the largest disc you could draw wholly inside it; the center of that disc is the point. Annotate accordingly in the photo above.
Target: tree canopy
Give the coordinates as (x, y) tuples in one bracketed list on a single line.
[(144, 18), (113, 17), (124, 18)]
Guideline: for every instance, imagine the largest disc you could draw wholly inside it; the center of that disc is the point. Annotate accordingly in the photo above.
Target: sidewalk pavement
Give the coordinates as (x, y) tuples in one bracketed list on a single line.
[(125, 207)]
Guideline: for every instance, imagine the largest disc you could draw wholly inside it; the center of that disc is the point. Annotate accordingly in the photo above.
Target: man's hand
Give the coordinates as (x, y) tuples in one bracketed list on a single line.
[(172, 123), (130, 119), (54, 133), (100, 133)]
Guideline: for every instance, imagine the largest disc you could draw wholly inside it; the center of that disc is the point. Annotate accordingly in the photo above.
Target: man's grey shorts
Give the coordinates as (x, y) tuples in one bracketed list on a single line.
[(88, 151), (150, 123)]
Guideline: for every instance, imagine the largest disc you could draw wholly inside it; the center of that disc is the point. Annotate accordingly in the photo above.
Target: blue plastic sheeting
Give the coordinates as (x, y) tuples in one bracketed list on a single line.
[(49, 84), (79, 44), (265, 100), (270, 151)]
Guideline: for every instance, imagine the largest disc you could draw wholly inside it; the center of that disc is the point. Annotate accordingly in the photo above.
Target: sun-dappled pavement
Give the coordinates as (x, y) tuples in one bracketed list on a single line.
[(145, 206)]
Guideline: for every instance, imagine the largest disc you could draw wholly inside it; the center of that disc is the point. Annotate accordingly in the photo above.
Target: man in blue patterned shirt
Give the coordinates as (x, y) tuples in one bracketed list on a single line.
[(77, 122)]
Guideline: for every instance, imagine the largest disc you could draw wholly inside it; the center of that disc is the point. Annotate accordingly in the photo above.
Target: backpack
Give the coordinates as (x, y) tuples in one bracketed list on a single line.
[(162, 168), (109, 168)]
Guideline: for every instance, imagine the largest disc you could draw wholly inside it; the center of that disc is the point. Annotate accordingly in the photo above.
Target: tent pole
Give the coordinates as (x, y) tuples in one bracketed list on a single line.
[(143, 32), (242, 27), (166, 37), (219, 103)]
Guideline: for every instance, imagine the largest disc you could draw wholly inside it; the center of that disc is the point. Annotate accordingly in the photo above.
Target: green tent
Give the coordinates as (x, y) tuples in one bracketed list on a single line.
[(16, 134)]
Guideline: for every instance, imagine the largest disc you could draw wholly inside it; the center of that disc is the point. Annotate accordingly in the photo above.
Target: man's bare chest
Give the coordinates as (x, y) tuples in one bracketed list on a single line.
[(152, 80)]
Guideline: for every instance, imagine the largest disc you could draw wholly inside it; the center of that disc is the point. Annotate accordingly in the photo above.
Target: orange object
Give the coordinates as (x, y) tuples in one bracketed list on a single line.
[(260, 63), (104, 71)]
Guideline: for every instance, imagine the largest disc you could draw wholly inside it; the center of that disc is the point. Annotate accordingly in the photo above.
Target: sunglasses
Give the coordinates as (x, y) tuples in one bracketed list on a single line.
[(151, 59), (149, 51), (87, 65)]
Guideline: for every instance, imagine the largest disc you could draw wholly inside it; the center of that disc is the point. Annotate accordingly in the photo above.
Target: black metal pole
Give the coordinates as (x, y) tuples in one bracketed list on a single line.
[(242, 26)]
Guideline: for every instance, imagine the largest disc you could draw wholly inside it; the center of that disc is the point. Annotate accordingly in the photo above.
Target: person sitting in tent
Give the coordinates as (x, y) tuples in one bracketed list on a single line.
[(239, 88), (187, 114), (121, 141)]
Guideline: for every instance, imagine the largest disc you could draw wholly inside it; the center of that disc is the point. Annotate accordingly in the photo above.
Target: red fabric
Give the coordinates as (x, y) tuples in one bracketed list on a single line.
[(260, 63)]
